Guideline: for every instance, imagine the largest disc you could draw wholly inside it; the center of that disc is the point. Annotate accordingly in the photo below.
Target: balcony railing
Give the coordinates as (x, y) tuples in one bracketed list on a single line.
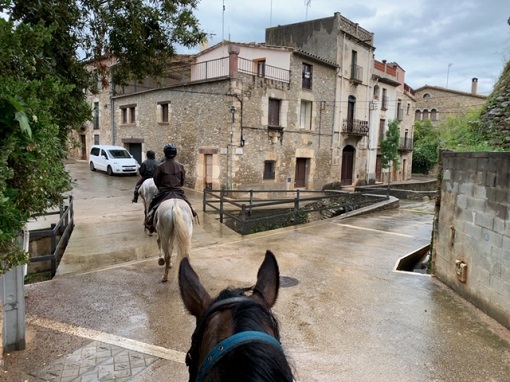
[(405, 144), (355, 127), (270, 72), (356, 74)]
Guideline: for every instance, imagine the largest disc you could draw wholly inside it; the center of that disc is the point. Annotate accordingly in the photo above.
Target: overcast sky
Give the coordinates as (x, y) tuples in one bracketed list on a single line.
[(423, 36)]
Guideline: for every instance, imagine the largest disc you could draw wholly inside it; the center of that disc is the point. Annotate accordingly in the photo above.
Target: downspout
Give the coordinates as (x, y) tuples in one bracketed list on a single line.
[(341, 92), (369, 95), (112, 117)]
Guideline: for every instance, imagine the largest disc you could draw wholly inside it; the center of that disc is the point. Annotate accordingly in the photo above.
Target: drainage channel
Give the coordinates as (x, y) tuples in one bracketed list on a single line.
[(415, 262)]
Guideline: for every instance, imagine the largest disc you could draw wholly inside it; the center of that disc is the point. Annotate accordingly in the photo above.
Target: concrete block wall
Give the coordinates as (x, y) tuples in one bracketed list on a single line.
[(474, 229)]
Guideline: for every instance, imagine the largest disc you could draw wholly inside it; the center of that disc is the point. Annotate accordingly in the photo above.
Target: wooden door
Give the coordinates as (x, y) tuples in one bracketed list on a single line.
[(347, 166), (300, 179)]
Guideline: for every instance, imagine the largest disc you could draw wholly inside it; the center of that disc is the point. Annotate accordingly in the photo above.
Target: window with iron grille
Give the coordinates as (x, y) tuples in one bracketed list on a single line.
[(307, 76), (274, 112), (96, 139), (269, 169)]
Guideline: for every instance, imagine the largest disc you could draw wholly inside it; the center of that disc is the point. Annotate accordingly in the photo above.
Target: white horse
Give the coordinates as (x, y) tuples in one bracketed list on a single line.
[(147, 191), (174, 224)]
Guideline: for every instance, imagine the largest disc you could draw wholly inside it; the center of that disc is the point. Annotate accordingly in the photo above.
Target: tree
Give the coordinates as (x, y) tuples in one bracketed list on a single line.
[(42, 89), (389, 148), (426, 146)]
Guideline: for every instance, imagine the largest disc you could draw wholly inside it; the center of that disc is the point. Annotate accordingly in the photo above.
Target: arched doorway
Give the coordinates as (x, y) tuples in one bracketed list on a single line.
[(347, 166)]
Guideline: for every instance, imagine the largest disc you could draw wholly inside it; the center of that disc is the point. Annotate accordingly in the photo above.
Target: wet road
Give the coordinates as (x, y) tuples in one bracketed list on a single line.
[(351, 317)]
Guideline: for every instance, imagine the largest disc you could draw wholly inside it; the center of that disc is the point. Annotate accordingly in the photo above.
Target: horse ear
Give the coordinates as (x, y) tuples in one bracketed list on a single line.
[(193, 294), (268, 280)]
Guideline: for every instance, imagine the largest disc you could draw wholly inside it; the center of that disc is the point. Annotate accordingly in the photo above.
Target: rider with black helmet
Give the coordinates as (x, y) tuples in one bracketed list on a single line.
[(146, 171), (169, 179)]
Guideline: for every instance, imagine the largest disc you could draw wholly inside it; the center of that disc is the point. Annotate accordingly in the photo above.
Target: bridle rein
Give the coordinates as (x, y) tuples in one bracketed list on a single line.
[(227, 345)]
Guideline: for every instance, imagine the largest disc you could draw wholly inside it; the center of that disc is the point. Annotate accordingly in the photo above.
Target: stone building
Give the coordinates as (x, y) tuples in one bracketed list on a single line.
[(243, 116), (345, 43), (437, 103), (369, 94), (287, 114)]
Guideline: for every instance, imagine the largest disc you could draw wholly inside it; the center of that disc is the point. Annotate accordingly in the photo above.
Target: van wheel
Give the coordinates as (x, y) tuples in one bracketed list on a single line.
[(109, 170), (92, 168)]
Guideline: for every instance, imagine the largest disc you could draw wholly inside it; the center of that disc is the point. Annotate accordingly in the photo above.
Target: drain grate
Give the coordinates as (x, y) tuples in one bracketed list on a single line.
[(287, 282)]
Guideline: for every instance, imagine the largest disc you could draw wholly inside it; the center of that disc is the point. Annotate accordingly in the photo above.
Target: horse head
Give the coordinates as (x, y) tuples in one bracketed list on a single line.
[(237, 337)]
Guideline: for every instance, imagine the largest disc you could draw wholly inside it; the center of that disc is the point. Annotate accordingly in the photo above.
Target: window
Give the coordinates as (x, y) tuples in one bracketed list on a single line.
[(274, 112), (351, 107), (417, 115), (381, 130), (261, 68), (128, 114), (425, 114), (132, 114), (96, 139), (306, 114), (433, 114), (376, 92), (384, 105), (426, 95), (307, 76), (96, 115), (400, 111), (124, 119), (408, 108), (354, 65), (269, 166), (164, 112)]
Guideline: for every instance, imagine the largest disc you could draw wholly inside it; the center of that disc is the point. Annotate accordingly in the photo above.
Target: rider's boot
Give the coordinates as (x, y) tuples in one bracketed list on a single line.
[(135, 198)]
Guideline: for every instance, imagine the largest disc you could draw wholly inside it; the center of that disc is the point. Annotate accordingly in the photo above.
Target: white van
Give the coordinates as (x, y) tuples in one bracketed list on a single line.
[(113, 160)]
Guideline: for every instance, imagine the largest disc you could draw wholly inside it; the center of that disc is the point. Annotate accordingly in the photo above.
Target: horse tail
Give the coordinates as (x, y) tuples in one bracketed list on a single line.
[(182, 234)]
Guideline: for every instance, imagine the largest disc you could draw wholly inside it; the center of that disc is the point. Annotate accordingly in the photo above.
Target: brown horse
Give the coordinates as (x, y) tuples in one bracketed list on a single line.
[(237, 337)]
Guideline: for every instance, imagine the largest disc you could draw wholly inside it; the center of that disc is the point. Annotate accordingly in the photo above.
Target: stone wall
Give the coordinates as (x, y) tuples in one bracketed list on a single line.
[(472, 240), (496, 115)]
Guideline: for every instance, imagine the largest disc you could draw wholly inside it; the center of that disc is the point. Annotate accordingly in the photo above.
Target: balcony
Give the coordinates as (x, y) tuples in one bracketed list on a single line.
[(405, 144), (355, 127)]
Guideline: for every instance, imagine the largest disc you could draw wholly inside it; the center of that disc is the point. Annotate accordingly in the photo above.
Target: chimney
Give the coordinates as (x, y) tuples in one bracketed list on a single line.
[(474, 85)]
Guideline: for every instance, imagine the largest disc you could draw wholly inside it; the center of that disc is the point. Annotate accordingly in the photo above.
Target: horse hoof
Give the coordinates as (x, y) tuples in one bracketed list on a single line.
[(161, 261), (163, 280)]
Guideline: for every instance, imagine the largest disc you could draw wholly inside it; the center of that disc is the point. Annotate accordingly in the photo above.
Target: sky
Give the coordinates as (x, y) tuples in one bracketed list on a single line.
[(437, 42)]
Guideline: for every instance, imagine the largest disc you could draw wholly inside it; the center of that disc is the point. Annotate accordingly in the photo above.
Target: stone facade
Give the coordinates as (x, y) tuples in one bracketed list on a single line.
[(437, 103), (349, 46), (472, 242), (222, 131), (218, 105)]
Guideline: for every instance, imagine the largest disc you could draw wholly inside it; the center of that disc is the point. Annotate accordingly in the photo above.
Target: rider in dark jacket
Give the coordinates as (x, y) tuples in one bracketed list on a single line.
[(146, 171), (169, 179)]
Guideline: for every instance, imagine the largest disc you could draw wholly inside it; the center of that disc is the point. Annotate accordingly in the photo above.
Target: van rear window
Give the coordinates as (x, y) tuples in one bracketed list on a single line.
[(119, 153)]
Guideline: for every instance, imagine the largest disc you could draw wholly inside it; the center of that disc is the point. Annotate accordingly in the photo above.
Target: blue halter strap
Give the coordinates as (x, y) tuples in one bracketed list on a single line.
[(230, 343)]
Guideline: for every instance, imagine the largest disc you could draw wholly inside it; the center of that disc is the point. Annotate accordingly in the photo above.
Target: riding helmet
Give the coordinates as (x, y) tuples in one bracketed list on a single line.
[(170, 150)]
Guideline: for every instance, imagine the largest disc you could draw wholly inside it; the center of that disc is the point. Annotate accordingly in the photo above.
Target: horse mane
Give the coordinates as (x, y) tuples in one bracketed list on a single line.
[(254, 361)]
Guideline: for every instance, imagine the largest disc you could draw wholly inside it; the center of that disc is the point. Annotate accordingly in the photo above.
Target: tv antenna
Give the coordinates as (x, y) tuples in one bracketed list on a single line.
[(308, 3)]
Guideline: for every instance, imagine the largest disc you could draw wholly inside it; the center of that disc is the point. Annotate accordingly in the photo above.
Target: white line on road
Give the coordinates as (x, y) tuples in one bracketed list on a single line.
[(375, 230), (126, 343)]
